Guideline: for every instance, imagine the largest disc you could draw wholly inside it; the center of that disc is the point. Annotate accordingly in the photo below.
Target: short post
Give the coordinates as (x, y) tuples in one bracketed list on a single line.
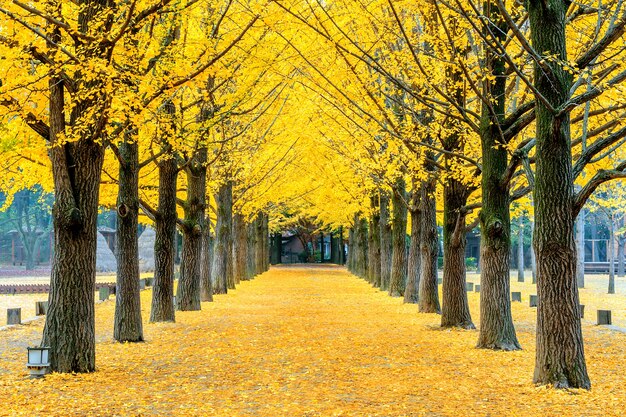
[(41, 308), (14, 316), (469, 286), (533, 300), (516, 296), (581, 307), (477, 288), (38, 361), (604, 317), (104, 293), (142, 284), (149, 281)]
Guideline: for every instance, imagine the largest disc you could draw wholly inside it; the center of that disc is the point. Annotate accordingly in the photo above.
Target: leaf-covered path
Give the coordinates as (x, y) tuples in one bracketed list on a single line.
[(308, 341)]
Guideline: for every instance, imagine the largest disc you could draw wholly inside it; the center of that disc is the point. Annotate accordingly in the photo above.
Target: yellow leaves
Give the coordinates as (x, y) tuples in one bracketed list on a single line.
[(315, 342)]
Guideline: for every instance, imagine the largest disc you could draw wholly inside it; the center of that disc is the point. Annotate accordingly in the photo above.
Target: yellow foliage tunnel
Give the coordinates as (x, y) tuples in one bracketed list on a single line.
[(308, 341)]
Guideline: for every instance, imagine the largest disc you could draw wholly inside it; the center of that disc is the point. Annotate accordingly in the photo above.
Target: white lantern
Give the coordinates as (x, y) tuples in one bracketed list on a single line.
[(38, 361)]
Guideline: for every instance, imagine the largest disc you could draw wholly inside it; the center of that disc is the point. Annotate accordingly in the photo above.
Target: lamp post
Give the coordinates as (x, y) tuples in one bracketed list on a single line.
[(38, 361)]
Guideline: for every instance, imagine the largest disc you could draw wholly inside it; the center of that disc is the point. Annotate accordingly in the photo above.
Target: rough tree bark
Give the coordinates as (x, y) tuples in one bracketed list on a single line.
[(520, 250), (580, 249), (398, 254), (496, 322), (411, 292), (188, 291), (350, 260), (240, 248), (165, 244), (429, 293), (222, 252), (251, 239), (560, 357), (373, 256), (455, 307), (611, 250), (385, 242), (620, 256), (260, 242), (127, 322), (206, 261), (76, 169)]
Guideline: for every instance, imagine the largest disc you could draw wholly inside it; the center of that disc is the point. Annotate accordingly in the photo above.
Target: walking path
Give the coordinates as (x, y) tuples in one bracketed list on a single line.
[(308, 341)]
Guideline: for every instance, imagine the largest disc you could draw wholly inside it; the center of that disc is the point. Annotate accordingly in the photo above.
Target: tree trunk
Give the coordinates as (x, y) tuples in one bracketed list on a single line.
[(276, 248), (128, 326), (496, 322), (206, 262), (266, 242), (620, 256), (222, 252), (188, 291), (560, 358), (260, 241), (533, 260), (429, 292), (520, 250), (165, 244), (350, 261), (385, 243), (455, 308), (411, 293), (611, 254), (342, 249), (76, 169), (240, 248), (398, 254), (373, 256), (251, 240), (362, 244), (580, 249), (70, 320)]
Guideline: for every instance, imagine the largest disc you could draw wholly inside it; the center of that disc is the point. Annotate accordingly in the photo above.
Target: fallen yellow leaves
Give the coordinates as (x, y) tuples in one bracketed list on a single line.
[(310, 341)]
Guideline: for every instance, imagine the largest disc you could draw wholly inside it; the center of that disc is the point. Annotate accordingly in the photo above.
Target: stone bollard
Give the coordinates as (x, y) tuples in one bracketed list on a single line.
[(516, 296), (142, 284), (604, 317), (477, 288), (149, 281), (581, 307), (104, 293), (469, 286), (14, 316), (41, 308), (533, 301)]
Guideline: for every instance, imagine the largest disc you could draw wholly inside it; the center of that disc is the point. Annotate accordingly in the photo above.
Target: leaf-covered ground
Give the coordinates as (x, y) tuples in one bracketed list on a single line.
[(309, 341)]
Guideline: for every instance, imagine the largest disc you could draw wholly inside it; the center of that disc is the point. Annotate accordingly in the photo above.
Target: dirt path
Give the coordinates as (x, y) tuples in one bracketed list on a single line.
[(309, 342)]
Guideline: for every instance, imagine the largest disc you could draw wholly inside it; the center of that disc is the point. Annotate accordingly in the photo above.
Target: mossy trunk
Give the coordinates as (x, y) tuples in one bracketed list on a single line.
[(240, 248), (188, 290), (429, 293), (127, 322), (411, 293), (373, 256), (385, 242), (455, 308), (496, 321), (165, 244), (206, 283), (560, 357), (222, 256), (397, 282)]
